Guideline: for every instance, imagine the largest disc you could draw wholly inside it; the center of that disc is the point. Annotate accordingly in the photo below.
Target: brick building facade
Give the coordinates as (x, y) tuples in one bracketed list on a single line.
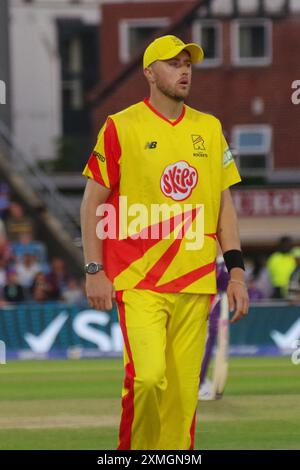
[(247, 80)]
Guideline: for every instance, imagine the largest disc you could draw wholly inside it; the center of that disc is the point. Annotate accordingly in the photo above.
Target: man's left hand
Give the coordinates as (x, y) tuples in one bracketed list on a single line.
[(238, 299)]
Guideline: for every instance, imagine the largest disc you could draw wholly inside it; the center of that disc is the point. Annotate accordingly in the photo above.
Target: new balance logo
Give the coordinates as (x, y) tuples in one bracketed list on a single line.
[(151, 145)]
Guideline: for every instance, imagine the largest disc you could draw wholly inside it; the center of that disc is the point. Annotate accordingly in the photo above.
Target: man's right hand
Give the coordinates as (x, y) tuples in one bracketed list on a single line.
[(99, 291)]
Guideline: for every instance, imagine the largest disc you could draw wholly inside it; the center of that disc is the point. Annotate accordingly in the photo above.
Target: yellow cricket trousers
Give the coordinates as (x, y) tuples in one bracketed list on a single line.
[(164, 338)]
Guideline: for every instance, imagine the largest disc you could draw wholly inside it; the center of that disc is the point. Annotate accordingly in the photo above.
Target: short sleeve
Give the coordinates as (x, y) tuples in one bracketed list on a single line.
[(103, 163), (230, 174)]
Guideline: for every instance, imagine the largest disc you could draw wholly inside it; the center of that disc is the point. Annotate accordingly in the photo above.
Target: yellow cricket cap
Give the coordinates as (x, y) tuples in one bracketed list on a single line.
[(166, 47)]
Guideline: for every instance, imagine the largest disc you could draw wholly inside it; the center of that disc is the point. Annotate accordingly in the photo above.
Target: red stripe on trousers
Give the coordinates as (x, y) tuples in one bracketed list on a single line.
[(128, 399), (192, 432)]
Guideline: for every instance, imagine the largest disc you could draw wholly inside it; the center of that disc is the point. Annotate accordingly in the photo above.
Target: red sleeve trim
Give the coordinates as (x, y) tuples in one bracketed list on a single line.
[(112, 150), (94, 168)]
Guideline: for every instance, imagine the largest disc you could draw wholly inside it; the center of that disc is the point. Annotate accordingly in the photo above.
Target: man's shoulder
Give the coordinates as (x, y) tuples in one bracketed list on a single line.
[(130, 112), (197, 115)]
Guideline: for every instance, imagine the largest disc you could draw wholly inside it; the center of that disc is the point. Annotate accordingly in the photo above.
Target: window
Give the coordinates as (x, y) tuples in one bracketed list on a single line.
[(252, 145), (209, 35), (78, 45), (251, 42), (72, 63), (134, 34)]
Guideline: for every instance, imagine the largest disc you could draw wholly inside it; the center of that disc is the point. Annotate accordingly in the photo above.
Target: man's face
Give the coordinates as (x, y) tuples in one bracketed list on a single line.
[(173, 76)]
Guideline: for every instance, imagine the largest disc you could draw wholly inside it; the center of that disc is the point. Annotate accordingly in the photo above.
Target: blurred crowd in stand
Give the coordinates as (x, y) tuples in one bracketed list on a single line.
[(276, 276), (26, 272)]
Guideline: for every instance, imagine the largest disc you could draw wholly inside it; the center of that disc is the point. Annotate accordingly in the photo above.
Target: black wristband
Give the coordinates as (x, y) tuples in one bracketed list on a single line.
[(233, 259)]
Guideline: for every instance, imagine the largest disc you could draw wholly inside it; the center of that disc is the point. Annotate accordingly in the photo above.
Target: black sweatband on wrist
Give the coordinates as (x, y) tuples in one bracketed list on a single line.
[(233, 259)]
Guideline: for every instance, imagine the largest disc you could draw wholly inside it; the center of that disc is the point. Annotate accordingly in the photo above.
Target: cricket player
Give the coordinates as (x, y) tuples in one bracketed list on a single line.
[(157, 199)]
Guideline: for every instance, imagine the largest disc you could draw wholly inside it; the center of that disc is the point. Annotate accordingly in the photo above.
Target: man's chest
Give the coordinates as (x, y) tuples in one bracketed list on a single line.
[(151, 150), (168, 162)]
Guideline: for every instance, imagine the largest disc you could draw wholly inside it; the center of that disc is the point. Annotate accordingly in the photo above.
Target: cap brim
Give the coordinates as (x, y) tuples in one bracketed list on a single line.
[(195, 51)]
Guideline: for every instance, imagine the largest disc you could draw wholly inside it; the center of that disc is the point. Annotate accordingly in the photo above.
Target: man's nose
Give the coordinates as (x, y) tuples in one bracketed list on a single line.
[(185, 69)]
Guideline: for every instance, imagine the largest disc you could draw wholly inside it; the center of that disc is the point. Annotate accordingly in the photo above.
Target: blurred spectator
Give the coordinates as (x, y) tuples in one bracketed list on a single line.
[(72, 293), (255, 294), (17, 222), (58, 277), (280, 267), (2, 229), (41, 288), (261, 277), (249, 267), (5, 248), (27, 268), (13, 291), (2, 273), (4, 199), (294, 282), (26, 244)]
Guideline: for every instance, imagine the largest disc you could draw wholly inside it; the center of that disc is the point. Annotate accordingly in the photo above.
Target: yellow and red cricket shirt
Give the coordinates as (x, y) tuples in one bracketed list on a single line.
[(148, 159)]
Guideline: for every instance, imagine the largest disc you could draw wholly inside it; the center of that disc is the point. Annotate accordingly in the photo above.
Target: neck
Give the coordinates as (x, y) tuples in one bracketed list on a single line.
[(166, 106)]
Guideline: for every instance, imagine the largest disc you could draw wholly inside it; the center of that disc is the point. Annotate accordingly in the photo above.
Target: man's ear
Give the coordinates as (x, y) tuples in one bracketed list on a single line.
[(148, 72)]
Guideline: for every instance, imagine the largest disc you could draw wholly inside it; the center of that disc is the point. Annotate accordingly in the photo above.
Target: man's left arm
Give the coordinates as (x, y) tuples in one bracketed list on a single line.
[(229, 239)]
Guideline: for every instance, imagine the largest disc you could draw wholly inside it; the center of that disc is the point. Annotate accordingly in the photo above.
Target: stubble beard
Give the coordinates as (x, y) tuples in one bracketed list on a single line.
[(171, 93)]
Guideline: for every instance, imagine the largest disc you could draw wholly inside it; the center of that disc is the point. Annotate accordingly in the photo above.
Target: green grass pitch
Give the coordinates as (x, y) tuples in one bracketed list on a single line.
[(76, 405)]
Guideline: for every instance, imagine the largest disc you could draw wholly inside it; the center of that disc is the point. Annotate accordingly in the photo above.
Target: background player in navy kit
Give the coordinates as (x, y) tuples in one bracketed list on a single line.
[(206, 388)]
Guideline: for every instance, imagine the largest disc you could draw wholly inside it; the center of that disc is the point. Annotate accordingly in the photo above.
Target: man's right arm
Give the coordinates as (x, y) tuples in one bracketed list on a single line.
[(99, 289)]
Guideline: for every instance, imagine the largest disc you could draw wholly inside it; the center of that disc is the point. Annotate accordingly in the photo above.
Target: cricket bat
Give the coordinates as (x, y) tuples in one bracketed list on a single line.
[(220, 372)]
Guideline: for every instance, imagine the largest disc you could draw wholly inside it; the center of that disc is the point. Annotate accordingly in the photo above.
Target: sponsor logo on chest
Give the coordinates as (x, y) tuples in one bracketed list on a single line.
[(199, 149), (178, 180), (151, 144), (99, 156), (198, 144)]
